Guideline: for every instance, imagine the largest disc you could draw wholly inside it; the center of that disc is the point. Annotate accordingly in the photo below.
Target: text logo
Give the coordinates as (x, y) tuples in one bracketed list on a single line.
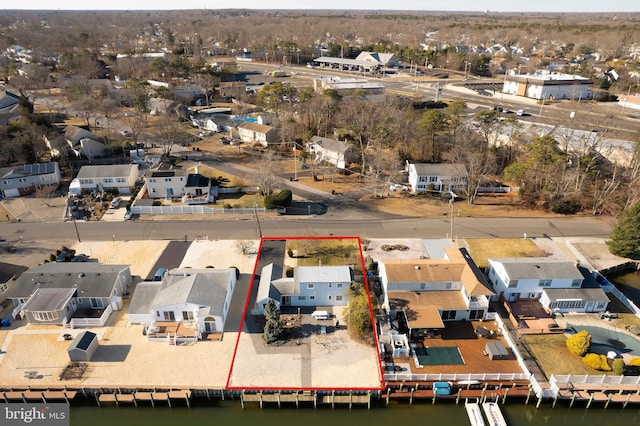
[(34, 414)]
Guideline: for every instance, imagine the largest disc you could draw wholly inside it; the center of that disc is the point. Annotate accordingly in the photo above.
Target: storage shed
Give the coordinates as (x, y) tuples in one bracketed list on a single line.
[(83, 346)]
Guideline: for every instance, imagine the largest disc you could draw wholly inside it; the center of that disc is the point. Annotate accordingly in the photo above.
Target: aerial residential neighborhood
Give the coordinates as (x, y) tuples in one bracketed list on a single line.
[(335, 218)]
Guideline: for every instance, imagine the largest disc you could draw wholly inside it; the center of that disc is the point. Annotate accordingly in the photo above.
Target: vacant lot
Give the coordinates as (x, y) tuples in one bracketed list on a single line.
[(483, 249), (325, 252)]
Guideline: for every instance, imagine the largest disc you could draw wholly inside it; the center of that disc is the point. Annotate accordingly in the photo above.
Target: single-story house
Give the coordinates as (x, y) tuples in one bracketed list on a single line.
[(309, 286), (79, 294), (428, 292), (23, 180), (84, 142), (83, 346), (191, 302), (119, 177), (213, 122), (338, 153), (558, 285), (255, 132), (438, 177)]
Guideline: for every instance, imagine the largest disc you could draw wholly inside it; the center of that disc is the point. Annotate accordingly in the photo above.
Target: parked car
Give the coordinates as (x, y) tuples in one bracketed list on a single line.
[(159, 274), (398, 187), (80, 258), (116, 202), (520, 112), (128, 215)]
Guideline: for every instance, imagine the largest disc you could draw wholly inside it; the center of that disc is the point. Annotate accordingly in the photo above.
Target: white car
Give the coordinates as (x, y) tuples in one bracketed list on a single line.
[(128, 215), (520, 112), (398, 187), (116, 202)]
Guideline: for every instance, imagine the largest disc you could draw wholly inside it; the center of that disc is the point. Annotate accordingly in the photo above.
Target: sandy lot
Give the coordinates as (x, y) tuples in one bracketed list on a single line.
[(221, 254)]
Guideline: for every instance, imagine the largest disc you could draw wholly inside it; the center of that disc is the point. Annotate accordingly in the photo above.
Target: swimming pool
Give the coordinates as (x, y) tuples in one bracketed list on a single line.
[(604, 340)]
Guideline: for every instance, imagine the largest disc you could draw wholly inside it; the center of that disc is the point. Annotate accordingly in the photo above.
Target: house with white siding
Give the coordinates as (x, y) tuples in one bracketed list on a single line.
[(338, 153), (437, 177), (186, 305), (121, 178), (166, 183), (557, 285), (310, 286), (17, 181), (256, 132)]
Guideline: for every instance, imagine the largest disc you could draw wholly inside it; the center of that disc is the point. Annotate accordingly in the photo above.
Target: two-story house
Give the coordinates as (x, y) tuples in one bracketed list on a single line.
[(188, 303), (84, 142), (256, 132), (427, 292), (119, 177), (437, 177), (166, 183), (309, 286), (558, 285), (23, 180), (332, 151), (79, 294)]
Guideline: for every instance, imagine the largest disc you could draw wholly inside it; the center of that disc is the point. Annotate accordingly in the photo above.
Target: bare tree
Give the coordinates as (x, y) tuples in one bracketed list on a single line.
[(244, 246), (266, 175)]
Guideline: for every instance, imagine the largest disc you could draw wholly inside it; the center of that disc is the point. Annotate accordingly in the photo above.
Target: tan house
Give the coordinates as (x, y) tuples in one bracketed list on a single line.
[(255, 132)]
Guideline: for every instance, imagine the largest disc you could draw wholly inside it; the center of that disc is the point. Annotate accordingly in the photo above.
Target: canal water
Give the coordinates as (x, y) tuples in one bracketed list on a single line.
[(629, 284), (423, 413)]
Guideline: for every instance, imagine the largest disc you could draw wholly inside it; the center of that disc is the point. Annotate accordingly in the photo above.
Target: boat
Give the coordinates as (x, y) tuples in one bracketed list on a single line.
[(472, 405), (494, 414)]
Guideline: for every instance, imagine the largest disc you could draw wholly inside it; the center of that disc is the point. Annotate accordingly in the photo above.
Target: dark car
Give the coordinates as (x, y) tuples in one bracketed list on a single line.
[(65, 255), (80, 258)]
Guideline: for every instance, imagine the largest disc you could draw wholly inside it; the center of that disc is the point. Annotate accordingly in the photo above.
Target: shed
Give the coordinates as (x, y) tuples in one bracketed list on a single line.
[(496, 350), (83, 346)]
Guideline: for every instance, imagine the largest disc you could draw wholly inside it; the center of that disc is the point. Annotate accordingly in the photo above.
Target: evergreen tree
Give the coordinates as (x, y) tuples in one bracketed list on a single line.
[(273, 327), (625, 237)]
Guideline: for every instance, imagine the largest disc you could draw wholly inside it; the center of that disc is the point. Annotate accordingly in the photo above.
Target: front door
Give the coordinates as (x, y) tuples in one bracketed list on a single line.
[(286, 300)]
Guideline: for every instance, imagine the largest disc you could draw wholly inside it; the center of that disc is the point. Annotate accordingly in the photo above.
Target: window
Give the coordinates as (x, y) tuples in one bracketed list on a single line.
[(576, 283), (97, 302), (601, 305), (312, 297), (339, 298), (3, 287), (121, 180), (448, 286), (423, 286), (339, 285), (107, 180), (152, 180), (310, 286), (329, 297), (45, 316), (544, 283), (433, 178), (448, 315), (169, 316), (302, 297), (513, 283), (187, 315)]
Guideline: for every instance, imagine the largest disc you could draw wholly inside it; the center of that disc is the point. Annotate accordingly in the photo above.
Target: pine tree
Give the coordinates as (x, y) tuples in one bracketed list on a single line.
[(625, 237)]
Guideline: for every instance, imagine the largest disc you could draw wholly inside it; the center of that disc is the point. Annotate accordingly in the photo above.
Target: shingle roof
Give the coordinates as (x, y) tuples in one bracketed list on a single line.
[(440, 169), (323, 274), (538, 268), (115, 170), (329, 144), (196, 180)]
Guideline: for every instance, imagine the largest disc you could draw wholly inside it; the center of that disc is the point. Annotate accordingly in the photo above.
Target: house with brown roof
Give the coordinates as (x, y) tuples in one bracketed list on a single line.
[(255, 132), (425, 293)]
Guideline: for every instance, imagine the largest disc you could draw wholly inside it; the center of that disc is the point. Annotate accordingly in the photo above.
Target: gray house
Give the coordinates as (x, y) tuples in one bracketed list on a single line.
[(309, 286), (120, 177), (79, 294), (23, 180), (84, 142)]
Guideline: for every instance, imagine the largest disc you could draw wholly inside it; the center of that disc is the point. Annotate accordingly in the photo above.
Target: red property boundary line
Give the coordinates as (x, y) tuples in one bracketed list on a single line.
[(246, 308)]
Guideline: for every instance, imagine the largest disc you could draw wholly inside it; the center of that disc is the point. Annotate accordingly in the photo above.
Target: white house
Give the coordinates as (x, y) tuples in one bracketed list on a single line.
[(438, 177), (166, 183), (541, 85), (350, 86), (194, 302), (332, 151), (556, 284), (23, 180), (121, 177), (428, 292), (309, 286)]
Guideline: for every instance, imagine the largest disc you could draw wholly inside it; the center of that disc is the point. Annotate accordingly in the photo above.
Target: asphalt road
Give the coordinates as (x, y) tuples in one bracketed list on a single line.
[(247, 228)]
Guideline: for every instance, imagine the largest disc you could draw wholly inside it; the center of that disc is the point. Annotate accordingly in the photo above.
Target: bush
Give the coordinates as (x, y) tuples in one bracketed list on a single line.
[(289, 272), (290, 253), (618, 366), (278, 200), (579, 343), (597, 362), (635, 362)]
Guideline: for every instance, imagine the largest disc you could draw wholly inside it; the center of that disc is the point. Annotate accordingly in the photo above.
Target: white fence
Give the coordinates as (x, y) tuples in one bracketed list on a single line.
[(496, 189), (455, 377), (193, 210), (92, 322)]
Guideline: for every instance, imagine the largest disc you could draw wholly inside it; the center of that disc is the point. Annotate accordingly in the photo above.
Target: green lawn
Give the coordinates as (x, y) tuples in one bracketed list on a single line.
[(552, 355), (483, 249)]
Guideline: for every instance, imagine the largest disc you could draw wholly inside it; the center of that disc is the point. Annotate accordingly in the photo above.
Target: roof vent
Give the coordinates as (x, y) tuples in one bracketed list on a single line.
[(417, 267), (81, 274)]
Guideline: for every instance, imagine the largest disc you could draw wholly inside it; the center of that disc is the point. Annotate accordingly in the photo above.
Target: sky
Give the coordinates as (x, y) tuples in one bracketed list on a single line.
[(450, 5)]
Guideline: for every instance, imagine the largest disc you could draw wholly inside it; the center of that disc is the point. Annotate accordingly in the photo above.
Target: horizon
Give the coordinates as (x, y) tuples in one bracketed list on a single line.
[(454, 6)]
